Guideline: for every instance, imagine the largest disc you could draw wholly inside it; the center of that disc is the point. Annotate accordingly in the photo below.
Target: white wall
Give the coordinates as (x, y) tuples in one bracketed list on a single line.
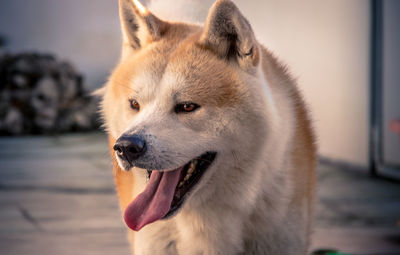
[(325, 43)]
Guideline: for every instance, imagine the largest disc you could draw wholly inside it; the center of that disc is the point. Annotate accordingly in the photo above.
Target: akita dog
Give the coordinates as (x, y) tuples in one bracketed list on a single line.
[(212, 146)]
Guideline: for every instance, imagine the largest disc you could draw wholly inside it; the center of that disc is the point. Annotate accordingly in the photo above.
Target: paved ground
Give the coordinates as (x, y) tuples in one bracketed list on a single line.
[(57, 197)]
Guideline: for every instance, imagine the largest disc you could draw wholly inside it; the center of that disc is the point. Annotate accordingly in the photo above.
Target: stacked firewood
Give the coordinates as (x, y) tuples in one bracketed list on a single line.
[(42, 95)]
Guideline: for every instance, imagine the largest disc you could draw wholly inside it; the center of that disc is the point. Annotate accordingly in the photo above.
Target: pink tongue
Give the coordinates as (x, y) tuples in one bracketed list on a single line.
[(155, 201)]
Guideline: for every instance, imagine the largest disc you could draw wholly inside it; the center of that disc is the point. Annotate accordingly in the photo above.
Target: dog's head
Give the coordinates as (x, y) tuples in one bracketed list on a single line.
[(184, 106)]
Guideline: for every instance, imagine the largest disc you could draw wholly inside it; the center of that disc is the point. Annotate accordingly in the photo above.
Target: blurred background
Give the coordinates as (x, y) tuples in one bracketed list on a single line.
[(56, 188)]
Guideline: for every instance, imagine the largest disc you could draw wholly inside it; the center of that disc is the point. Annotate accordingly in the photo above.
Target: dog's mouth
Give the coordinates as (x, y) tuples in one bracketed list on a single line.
[(166, 192)]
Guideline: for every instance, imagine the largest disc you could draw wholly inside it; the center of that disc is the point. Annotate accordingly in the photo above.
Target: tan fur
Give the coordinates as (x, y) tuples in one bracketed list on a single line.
[(124, 183), (257, 196), (303, 152)]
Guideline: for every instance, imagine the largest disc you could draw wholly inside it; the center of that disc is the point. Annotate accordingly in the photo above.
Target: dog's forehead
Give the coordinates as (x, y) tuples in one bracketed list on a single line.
[(185, 73), (194, 73), (141, 73), (151, 65), (151, 61)]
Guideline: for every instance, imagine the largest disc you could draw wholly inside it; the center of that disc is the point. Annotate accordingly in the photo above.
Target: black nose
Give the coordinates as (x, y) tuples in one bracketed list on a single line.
[(130, 147)]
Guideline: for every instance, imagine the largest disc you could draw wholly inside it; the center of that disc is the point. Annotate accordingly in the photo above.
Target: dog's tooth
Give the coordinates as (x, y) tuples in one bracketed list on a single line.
[(148, 173), (191, 169), (192, 166), (180, 184), (186, 177)]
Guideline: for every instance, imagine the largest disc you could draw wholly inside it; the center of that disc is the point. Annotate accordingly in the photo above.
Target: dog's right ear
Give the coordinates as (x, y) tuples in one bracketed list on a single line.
[(139, 26)]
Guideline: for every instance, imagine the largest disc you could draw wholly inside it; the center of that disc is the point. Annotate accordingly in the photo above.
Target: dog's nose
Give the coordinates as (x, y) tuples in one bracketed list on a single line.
[(130, 147)]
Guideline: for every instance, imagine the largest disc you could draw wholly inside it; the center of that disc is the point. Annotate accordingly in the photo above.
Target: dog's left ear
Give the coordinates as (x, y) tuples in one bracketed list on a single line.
[(139, 26), (229, 35)]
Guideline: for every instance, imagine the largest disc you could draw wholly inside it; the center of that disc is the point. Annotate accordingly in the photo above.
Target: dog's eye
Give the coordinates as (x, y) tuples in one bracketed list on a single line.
[(134, 104), (186, 107)]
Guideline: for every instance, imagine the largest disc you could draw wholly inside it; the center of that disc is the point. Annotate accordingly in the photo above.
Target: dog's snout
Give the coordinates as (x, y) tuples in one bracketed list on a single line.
[(130, 147)]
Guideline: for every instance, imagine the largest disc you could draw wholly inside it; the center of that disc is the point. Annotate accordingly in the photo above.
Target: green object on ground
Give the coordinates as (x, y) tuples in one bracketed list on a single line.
[(337, 253), (328, 252)]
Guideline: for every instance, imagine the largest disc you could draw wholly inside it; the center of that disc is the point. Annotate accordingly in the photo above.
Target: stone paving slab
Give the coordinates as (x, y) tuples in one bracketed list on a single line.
[(80, 243), (361, 240), (57, 197)]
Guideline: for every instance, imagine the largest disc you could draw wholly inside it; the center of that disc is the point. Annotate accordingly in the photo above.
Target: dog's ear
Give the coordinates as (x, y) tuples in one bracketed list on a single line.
[(229, 35), (139, 26)]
